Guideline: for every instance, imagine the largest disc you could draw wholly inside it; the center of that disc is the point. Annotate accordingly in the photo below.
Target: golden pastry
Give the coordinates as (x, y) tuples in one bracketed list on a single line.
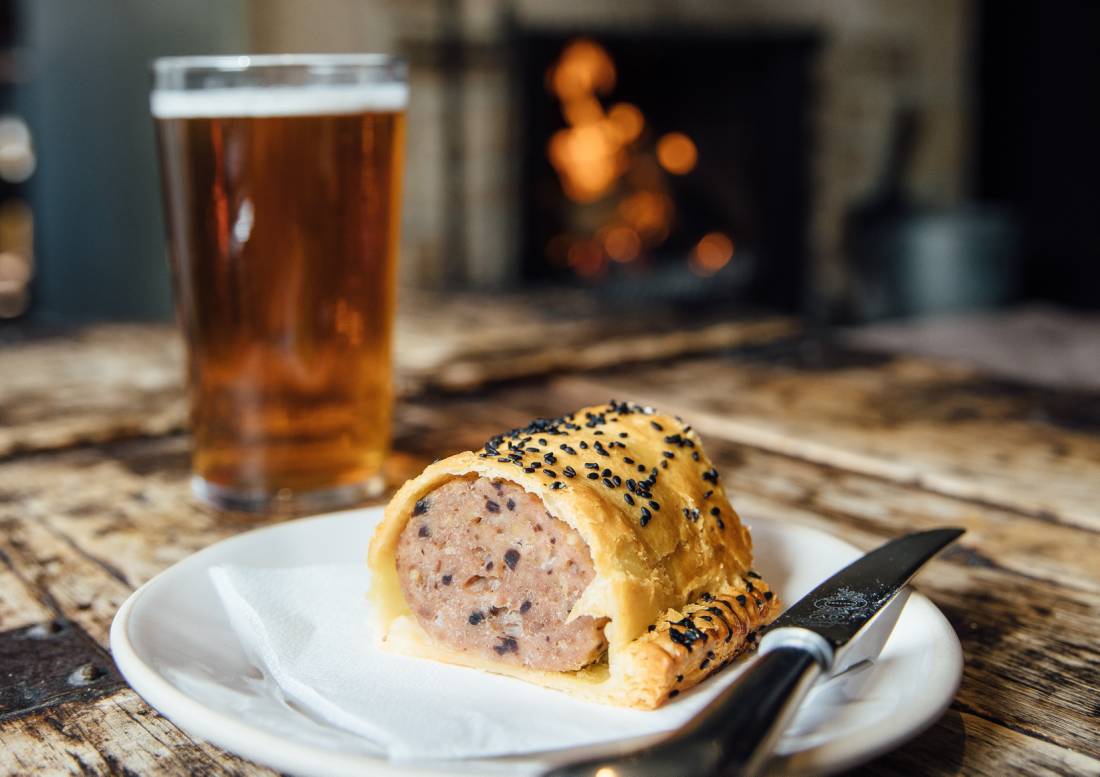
[(595, 553)]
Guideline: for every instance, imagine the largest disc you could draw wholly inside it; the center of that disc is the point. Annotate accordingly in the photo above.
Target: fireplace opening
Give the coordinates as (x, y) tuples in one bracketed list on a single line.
[(669, 165)]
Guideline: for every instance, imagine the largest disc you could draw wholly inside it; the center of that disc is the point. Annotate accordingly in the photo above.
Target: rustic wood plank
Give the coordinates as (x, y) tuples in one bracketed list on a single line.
[(90, 524), (116, 735), (50, 663), (18, 606), (99, 384), (74, 585), (961, 743), (941, 428), (116, 381)]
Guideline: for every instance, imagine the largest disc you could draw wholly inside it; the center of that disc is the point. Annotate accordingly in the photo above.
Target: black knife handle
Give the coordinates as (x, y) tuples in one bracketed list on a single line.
[(747, 718), (734, 734)]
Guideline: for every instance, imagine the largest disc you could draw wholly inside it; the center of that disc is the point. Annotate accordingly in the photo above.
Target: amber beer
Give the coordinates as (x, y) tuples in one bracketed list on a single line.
[(282, 210)]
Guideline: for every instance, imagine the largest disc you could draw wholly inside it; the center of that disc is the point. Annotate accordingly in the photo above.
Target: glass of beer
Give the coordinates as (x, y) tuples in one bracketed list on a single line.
[(282, 178)]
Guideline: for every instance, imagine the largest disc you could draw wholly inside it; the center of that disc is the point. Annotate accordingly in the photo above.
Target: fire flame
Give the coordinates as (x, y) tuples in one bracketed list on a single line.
[(711, 253), (590, 154), (677, 153), (599, 151)]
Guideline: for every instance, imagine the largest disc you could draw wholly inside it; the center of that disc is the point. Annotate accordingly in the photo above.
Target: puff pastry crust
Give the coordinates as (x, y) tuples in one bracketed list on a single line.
[(673, 563)]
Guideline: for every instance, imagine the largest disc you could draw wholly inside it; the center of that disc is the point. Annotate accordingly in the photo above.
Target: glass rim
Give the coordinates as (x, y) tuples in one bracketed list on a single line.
[(243, 62)]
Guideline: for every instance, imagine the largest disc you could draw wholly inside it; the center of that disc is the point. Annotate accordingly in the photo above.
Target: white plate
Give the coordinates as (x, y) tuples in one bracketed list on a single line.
[(174, 644)]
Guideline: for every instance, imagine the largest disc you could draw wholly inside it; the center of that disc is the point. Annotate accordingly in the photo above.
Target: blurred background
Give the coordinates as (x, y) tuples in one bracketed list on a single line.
[(844, 161)]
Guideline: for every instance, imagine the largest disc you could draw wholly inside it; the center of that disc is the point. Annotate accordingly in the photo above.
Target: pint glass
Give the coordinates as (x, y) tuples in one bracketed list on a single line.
[(281, 180)]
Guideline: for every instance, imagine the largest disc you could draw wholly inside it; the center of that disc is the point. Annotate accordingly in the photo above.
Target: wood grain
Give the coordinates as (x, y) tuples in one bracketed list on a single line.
[(117, 735), (936, 427), (116, 381), (865, 449)]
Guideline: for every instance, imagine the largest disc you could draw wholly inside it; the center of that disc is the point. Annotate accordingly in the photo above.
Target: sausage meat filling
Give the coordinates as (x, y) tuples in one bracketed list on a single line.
[(486, 569)]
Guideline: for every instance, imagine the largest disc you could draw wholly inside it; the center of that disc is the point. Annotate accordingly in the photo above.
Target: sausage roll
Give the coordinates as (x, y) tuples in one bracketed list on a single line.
[(594, 553)]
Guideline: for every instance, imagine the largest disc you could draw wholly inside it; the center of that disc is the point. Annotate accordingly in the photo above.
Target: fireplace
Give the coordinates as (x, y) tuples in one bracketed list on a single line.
[(667, 164), (789, 107)]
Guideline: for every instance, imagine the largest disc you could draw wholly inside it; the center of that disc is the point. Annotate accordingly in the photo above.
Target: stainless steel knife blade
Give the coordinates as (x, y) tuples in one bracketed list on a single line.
[(845, 605)]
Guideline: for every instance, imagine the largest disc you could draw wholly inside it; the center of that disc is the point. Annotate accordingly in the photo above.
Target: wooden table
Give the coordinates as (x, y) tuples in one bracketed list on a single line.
[(94, 501)]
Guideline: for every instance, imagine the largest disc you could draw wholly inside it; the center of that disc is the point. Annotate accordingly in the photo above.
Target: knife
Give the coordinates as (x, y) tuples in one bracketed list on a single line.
[(841, 623)]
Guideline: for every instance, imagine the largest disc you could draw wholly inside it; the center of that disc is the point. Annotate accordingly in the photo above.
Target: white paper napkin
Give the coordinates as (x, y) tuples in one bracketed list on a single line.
[(307, 629)]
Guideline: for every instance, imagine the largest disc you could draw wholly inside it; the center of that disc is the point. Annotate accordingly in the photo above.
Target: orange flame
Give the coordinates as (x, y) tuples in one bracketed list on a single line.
[(676, 153), (713, 252)]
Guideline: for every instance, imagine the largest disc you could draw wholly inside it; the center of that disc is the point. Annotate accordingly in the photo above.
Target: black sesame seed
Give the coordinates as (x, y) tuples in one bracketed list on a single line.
[(641, 467), (623, 435), (656, 426), (597, 432), (446, 579), (645, 516), (695, 455), (679, 678), (507, 645), (569, 472), (591, 465), (711, 476), (708, 494), (424, 531), (536, 464), (674, 693), (608, 482), (511, 558), (651, 627), (542, 441), (664, 465), (492, 506), (525, 606), (741, 599), (631, 484), (593, 475), (556, 485), (583, 445), (656, 507), (768, 595), (628, 460), (489, 566), (628, 499), (550, 473), (753, 574), (511, 504), (715, 512), (606, 473), (528, 469), (618, 481), (476, 617), (422, 506)]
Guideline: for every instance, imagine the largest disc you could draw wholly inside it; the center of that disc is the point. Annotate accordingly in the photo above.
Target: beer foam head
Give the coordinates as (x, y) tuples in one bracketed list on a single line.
[(278, 101)]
